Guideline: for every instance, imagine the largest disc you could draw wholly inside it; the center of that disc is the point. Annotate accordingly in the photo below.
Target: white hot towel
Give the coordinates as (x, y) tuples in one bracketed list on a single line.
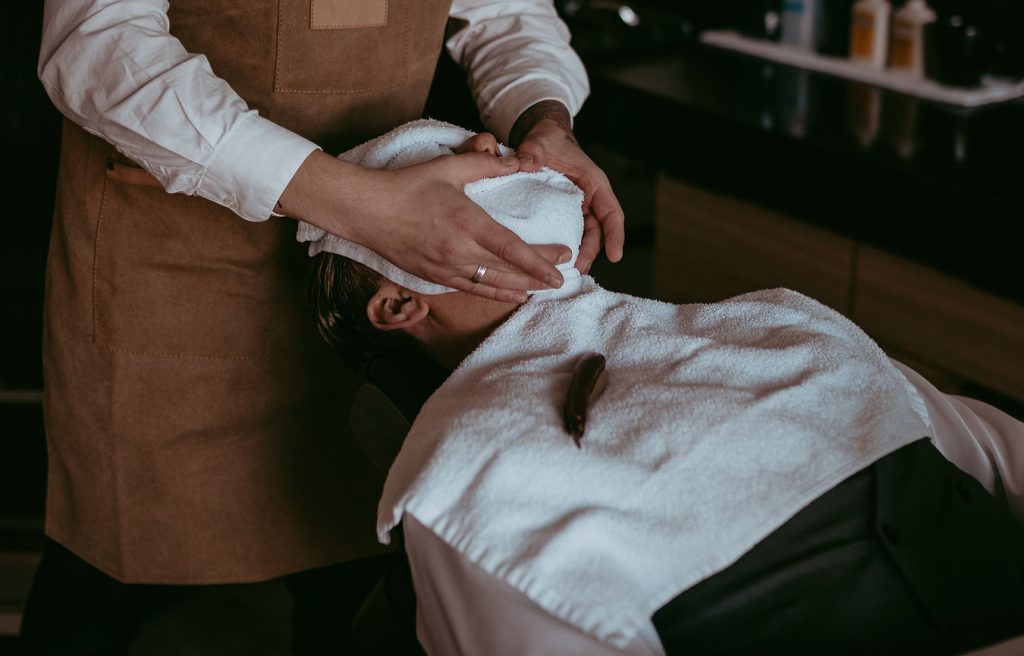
[(542, 207), (718, 424)]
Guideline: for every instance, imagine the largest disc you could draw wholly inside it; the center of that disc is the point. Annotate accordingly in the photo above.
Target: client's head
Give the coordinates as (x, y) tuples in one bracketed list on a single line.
[(361, 314), (365, 304)]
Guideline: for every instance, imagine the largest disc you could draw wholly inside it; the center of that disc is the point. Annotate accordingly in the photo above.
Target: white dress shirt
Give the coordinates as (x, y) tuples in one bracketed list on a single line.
[(113, 67)]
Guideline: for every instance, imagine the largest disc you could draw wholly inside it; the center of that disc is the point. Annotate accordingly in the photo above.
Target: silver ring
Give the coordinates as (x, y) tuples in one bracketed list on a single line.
[(479, 275)]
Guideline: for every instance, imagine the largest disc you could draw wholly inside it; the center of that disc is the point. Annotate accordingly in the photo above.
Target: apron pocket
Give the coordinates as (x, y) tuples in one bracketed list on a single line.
[(341, 14), (341, 46), (180, 277)]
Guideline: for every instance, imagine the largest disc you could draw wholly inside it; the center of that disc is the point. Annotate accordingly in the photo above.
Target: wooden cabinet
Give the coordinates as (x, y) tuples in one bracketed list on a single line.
[(940, 322), (710, 247)]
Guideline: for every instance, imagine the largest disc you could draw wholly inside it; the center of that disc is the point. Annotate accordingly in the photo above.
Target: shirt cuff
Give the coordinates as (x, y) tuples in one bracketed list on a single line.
[(506, 108), (253, 166)]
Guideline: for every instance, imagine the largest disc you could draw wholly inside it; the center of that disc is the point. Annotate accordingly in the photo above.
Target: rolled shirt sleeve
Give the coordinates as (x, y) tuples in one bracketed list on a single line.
[(517, 54), (113, 67)]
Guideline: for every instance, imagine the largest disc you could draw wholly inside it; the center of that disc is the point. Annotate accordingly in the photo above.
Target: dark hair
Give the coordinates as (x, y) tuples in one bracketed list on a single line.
[(339, 291)]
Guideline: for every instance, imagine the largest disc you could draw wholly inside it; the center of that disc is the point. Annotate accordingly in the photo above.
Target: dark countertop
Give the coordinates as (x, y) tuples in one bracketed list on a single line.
[(932, 183)]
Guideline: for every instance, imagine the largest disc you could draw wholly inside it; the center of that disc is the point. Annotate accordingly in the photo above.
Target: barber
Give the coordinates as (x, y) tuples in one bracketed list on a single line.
[(196, 427)]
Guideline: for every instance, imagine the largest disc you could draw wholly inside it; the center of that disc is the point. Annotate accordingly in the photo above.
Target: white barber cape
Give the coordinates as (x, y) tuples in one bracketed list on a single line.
[(719, 423)]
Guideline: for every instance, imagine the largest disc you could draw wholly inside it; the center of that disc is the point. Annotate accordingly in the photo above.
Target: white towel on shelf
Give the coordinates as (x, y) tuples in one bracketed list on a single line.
[(718, 424), (543, 207)]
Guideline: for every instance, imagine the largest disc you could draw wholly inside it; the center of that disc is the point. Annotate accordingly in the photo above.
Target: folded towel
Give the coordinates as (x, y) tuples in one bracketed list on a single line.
[(542, 207), (719, 423)]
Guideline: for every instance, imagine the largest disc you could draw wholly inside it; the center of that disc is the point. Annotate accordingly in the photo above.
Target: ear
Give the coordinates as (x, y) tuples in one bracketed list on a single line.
[(395, 308)]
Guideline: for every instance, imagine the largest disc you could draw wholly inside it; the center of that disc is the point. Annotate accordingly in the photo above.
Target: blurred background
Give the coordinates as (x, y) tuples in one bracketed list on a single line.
[(869, 154)]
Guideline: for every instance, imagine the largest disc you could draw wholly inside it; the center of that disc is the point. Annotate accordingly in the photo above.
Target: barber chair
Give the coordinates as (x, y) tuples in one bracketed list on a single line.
[(382, 412)]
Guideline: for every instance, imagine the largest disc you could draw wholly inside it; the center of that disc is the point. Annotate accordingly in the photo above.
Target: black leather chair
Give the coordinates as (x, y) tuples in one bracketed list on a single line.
[(382, 412)]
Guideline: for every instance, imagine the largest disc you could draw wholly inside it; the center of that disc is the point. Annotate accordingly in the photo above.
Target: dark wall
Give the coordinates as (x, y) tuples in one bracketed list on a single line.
[(29, 142)]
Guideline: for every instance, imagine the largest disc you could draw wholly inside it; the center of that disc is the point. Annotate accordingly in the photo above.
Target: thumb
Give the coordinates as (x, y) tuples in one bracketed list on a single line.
[(470, 167), (530, 155)]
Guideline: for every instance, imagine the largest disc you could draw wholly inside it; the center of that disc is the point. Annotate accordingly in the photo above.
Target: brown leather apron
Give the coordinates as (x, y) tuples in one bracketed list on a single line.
[(197, 427)]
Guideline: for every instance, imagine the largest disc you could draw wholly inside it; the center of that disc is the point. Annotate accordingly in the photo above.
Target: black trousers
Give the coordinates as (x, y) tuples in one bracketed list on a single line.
[(909, 556), (74, 609)]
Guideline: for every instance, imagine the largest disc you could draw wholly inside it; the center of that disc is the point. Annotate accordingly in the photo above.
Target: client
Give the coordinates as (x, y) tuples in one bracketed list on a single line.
[(757, 476)]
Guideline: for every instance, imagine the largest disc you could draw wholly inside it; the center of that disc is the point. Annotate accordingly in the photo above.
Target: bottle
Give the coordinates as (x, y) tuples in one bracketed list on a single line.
[(761, 19), (795, 101), (803, 23), (900, 124), (907, 43), (958, 50), (869, 35), (864, 112), (836, 41)]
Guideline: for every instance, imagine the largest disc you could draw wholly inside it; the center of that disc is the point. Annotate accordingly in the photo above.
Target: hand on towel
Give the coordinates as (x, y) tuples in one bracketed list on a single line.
[(484, 142), (419, 218), (542, 136)]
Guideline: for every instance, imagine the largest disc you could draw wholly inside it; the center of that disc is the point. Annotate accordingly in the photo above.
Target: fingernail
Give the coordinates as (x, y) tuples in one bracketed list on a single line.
[(552, 282), (508, 161), (526, 159), (565, 257), (521, 297)]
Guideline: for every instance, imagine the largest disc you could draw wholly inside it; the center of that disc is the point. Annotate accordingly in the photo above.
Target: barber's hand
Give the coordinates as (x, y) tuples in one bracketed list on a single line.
[(420, 219), (542, 137)]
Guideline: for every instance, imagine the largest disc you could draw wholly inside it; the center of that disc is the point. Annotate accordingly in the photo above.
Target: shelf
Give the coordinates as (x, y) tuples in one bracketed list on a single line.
[(991, 91), (20, 397)]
